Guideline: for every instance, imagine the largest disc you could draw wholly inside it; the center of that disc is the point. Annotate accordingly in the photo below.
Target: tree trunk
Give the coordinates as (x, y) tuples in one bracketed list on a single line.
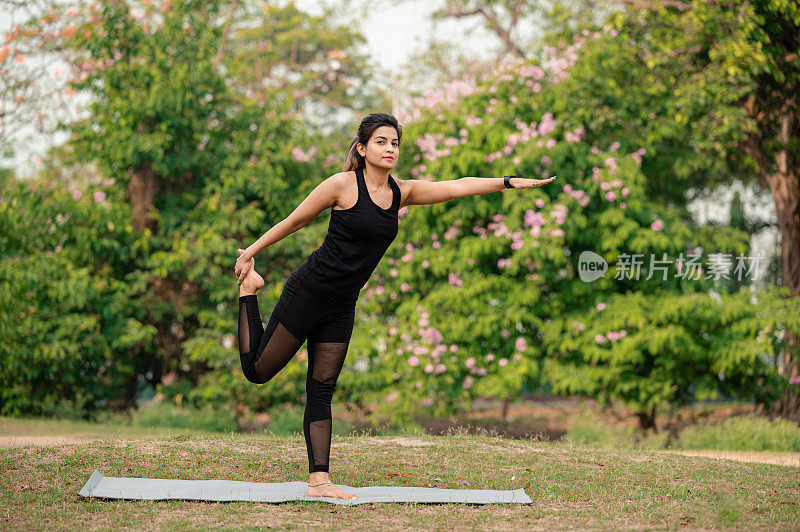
[(142, 189), (785, 188), (647, 419), (782, 175)]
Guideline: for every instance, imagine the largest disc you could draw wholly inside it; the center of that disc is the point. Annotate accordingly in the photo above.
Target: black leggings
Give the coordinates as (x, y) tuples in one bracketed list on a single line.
[(298, 315)]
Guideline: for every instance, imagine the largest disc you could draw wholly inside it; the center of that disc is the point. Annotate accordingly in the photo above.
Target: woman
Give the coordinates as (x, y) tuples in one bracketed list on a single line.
[(318, 300)]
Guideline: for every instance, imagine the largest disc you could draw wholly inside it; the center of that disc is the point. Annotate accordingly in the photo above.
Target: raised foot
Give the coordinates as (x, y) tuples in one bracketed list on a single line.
[(329, 490)]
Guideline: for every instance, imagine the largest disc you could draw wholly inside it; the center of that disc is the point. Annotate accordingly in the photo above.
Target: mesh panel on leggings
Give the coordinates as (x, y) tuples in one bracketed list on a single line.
[(325, 363), (280, 345), (280, 349)]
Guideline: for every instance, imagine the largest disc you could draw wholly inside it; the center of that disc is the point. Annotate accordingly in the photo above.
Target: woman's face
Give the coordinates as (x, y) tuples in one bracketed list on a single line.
[(383, 148)]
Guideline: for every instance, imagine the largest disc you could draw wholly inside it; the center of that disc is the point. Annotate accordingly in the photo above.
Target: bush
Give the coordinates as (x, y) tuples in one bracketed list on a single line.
[(743, 433), (740, 433)]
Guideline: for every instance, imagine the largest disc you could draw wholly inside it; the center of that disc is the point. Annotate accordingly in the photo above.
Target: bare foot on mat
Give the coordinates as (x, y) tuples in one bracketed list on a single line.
[(329, 490)]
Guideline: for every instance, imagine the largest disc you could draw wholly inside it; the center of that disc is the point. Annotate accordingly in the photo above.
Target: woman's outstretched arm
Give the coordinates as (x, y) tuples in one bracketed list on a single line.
[(422, 192), (323, 196)]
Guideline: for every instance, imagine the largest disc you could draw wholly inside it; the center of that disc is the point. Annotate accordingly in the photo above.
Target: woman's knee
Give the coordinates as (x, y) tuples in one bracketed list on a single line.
[(250, 373)]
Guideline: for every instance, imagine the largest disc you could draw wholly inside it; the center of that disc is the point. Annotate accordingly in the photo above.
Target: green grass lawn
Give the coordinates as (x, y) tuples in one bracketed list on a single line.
[(571, 486)]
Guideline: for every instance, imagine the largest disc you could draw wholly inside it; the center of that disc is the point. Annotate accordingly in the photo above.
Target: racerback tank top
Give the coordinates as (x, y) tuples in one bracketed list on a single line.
[(357, 239)]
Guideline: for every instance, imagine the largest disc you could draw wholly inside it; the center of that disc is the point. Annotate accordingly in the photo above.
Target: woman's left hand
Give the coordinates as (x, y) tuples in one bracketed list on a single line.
[(243, 266), (522, 182)]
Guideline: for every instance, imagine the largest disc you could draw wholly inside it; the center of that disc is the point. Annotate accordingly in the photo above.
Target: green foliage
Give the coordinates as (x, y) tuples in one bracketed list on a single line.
[(481, 296), (67, 315), (495, 280), (158, 305), (740, 433)]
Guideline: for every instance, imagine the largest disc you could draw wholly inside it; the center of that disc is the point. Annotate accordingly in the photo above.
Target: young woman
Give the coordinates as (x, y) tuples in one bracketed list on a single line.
[(318, 300)]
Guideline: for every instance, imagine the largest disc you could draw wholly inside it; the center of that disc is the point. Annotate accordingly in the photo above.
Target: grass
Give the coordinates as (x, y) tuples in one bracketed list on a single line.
[(571, 485)]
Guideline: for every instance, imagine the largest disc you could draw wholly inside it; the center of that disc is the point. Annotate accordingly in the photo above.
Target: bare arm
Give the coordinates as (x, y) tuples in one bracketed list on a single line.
[(428, 192), (322, 197)]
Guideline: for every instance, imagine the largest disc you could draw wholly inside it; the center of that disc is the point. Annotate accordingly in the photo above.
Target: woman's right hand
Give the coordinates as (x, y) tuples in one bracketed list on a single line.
[(243, 266)]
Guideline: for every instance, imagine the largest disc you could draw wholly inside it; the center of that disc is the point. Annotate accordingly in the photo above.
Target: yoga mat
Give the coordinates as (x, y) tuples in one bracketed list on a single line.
[(233, 490)]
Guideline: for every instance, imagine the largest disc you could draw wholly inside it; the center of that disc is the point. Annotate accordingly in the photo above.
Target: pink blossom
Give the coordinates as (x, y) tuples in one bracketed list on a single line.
[(380, 289), (428, 368), (623, 205), (795, 380), (453, 348), (490, 357), (425, 263), (76, 195), (658, 225), (393, 272), (405, 287), (504, 333), (610, 196), (413, 361), (467, 382), (520, 344), (625, 192), (567, 188), (99, 196), (614, 146), (440, 368), (502, 263), (600, 339), (517, 357), (502, 362), (539, 202), (612, 336), (605, 185), (470, 362), (600, 306)]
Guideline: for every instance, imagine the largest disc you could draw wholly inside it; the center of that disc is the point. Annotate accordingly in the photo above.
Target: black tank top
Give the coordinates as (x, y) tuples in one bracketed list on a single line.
[(356, 241)]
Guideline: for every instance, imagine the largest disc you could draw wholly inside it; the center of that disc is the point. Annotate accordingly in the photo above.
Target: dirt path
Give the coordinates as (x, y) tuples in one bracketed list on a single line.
[(784, 459), (42, 441)]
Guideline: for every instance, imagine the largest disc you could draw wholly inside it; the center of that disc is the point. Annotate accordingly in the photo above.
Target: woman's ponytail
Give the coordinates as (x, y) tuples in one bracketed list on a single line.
[(354, 159)]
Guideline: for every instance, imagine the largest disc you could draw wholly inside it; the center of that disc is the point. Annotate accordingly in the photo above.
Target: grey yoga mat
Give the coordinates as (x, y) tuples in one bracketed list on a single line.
[(234, 490)]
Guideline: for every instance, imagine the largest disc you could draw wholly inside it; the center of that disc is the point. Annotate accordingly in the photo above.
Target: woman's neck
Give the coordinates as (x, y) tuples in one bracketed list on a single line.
[(377, 177)]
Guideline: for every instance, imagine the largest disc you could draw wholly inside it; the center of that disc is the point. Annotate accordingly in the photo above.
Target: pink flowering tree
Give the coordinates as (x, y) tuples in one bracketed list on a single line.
[(480, 291)]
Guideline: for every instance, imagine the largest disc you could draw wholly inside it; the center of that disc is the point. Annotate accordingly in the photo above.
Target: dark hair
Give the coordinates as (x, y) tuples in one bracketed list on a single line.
[(366, 128)]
